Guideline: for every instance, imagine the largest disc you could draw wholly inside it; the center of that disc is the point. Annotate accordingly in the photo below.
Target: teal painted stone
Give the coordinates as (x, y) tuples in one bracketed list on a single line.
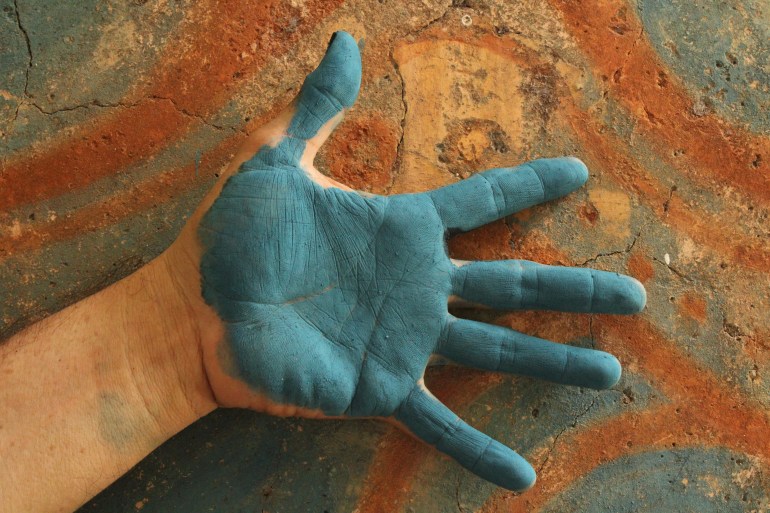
[(722, 52), (696, 480)]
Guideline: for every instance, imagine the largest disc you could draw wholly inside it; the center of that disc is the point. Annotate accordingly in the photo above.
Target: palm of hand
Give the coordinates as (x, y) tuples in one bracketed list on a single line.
[(343, 295), (334, 300)]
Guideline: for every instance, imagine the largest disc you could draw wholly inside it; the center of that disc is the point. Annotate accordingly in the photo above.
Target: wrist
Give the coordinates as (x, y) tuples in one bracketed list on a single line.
[(165, 326), (93, 389)]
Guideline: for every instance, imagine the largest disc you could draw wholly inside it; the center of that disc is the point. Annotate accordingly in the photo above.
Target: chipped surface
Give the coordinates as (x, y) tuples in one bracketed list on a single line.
[(115, 117)]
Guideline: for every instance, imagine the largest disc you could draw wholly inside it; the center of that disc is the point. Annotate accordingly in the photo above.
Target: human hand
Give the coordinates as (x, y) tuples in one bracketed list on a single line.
[(332, 301)]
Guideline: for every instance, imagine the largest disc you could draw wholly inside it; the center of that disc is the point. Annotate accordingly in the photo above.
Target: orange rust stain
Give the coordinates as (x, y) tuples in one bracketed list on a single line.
[(391, 473), (693, 306), (490, 242), (589, 213), (362, 151), (702, 227), (727, 153), (111, 145), (640, 267), (200, 73), (554, 326), (195, 78), (740, 423), (536, 246)]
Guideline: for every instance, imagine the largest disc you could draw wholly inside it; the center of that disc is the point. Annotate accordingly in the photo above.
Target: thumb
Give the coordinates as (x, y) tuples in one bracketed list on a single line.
[(326, 93), (294, 136)]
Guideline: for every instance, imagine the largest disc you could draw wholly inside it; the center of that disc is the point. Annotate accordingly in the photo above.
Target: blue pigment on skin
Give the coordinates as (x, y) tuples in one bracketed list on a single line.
[(335, 301)]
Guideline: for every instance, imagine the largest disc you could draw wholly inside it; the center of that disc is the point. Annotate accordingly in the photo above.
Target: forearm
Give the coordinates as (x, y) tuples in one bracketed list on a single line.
[(88, 392)]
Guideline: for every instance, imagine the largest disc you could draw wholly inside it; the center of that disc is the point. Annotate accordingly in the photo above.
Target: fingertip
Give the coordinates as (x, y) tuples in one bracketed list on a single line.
[(343, 60), (592, 369), (342, 40), (608, 372), (560, 175), (526, 480), (641, 295), (505, 467), (522, 477), (580, 170), (634, 296), (532, 481), (617, 294)]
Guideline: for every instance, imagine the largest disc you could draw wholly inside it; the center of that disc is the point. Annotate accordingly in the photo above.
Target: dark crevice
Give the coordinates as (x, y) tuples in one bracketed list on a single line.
[(564, 429), (673, 269), (29, 46), (127, 105), (191, 114), (667, 204), (29, 56), (93, 103), (404, 105), (612, 253), (460, 507)]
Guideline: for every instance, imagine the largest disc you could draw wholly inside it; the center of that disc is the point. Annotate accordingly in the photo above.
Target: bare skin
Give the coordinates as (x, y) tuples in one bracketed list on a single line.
[(91, 390)]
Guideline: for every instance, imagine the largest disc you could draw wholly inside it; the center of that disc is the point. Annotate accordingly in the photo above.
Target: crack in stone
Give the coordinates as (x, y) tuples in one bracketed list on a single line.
[(460, 507), (612, 253), (128, 105), (29, 54), (429, 24), (404, 104), (92, 103), (667, 203), (405, 109), (193, 115), (560, 433), (673, 269)]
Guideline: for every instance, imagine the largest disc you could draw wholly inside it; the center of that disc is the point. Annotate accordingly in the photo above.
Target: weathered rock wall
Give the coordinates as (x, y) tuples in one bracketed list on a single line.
[(115, 117)]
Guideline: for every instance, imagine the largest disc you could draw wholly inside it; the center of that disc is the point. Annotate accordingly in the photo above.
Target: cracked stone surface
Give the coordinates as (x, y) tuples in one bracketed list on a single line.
[(116, 117)]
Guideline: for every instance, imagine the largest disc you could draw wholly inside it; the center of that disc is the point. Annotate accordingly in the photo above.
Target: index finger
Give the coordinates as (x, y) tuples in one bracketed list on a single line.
[(496, 193)]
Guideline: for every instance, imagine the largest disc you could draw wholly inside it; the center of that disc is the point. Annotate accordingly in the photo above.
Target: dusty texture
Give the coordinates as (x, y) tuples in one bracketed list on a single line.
[(116, 117)]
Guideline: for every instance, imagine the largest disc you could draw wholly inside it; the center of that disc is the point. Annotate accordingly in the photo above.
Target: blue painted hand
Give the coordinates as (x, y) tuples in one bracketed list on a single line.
[(333, 301)]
